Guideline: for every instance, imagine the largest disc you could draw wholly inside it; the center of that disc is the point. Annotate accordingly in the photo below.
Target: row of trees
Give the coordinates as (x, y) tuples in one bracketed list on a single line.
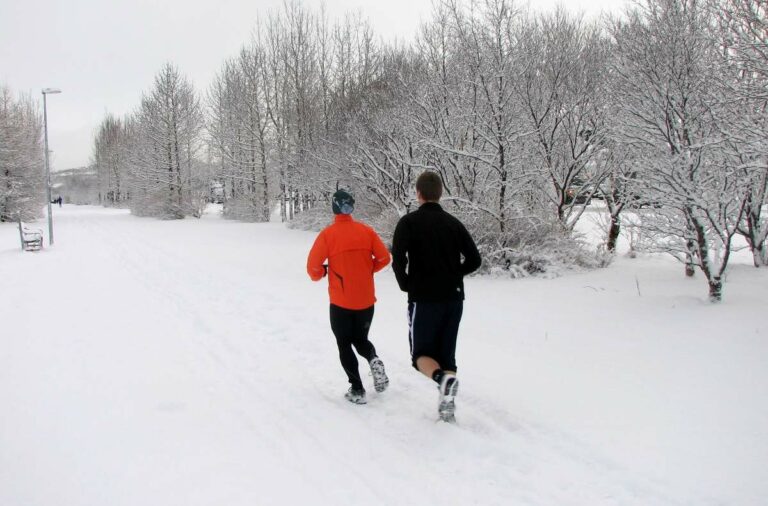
[(150, 160), (21, 157), (526, 117)]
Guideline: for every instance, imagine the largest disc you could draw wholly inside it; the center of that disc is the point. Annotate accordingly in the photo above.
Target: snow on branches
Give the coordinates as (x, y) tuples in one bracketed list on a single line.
[(527, 117)]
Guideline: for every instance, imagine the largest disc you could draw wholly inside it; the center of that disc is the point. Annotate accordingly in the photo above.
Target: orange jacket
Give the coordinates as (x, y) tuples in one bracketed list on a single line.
[(354, 252)]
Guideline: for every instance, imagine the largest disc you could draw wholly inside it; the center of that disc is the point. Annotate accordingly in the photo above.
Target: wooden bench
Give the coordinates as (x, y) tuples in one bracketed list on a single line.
[(31, 238)]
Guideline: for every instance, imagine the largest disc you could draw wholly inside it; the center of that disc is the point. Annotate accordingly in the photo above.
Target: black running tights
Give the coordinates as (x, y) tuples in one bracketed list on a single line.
[(351, 326)]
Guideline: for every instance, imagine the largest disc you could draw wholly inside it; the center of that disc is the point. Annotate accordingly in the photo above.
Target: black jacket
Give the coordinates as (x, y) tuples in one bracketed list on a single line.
[(427, 251)]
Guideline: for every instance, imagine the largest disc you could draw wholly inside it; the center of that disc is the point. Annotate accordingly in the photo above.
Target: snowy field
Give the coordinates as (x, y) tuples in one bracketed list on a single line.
[(184, 363)]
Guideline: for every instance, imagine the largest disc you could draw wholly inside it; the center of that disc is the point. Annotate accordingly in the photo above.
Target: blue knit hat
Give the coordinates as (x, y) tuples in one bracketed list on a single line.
[(342, 202)]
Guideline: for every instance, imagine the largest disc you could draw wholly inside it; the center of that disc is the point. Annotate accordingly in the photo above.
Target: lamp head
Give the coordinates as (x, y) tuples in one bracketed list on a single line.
[(50, 91)]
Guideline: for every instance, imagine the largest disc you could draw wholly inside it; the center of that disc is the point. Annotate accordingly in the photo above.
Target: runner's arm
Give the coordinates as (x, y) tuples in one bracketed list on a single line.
[(317, 256)]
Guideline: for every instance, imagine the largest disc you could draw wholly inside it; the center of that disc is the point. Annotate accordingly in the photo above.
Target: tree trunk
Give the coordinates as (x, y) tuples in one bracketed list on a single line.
[(715, 289), (265, 211), (760, 255), (171, 192), (613, 232), (690, 265)]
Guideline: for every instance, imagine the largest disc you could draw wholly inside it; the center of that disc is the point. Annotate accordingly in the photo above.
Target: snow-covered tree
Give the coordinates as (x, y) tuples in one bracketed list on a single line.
[(563, 91), (238, 126), (167, 137), (744, 32), (667, 71), (110, 161), (372, 149), (21, 157)]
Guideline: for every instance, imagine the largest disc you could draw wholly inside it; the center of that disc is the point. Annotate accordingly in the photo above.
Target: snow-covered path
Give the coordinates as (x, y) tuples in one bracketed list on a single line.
[(191, 363)]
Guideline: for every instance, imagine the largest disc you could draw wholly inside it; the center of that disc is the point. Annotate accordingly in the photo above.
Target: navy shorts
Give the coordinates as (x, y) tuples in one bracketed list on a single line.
[(433, 328)]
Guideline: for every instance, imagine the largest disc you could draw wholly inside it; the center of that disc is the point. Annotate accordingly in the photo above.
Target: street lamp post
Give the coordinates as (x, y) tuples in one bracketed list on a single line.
[(48, 91)]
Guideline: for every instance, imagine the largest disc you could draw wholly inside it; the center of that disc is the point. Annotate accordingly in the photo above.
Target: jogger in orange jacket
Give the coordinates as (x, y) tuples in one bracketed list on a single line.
[(354, 253)]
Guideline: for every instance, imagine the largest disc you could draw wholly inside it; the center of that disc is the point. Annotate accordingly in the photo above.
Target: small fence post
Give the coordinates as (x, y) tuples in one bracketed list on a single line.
[(21, 233)]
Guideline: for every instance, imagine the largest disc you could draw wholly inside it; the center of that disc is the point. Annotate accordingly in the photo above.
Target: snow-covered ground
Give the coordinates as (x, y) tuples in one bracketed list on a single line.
[(152, 363)]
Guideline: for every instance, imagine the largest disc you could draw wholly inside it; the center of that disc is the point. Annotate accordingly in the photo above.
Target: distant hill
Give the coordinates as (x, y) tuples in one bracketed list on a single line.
[(78, 185), (75, 171)]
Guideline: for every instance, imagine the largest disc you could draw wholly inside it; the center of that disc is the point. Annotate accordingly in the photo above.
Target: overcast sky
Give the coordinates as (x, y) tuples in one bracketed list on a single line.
[(103, 54)]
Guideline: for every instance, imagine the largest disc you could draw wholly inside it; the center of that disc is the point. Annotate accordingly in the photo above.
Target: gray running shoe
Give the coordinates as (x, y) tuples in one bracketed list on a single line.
[(448, 388), (355, 396), (447, 411), (380, 379)]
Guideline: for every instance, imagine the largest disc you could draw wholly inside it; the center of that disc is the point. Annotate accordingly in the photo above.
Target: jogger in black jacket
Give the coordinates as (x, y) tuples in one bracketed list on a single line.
[(431, 253)]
